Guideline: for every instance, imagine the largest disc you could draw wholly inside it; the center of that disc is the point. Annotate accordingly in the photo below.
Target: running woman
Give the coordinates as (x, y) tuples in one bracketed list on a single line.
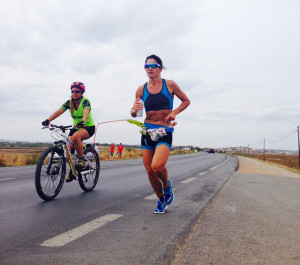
[(158, 95), (84, 125)]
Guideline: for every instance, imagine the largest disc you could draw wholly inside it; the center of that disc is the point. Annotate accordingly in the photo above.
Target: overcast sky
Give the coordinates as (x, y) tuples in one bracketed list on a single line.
[(237, 61)]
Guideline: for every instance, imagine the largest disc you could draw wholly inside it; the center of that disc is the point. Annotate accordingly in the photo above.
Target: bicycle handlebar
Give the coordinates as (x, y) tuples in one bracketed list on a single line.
[(61, 127)]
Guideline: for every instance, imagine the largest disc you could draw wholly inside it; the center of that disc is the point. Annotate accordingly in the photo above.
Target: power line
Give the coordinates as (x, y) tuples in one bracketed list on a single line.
[(281, 136), (257, 144), (274, 139), (278, 140)]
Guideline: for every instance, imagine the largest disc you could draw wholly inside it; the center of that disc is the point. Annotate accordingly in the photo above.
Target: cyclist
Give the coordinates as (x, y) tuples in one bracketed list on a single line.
[(158, 95), (84, 125)]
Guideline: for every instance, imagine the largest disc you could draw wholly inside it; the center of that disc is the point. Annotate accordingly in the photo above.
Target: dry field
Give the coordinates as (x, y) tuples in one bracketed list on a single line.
[(29, 156), (128, 153), (287, 161), (19, 156)]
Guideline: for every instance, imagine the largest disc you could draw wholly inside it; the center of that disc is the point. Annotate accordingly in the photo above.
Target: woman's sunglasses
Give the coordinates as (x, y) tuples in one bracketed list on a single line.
[(75, 91), (152, 65)]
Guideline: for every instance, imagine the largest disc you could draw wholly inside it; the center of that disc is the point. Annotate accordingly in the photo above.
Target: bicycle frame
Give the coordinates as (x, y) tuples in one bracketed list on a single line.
[(64, 140)]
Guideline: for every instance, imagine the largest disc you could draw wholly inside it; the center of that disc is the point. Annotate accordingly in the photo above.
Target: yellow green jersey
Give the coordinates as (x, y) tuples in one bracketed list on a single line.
[(77, 114)]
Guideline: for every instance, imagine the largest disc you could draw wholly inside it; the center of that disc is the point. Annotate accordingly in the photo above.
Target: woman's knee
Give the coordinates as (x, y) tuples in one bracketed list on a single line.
[(149, 170), (158, 168)]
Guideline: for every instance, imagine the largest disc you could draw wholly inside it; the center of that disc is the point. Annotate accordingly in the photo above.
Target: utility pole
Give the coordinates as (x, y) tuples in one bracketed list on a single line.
[(298, 145), (264, 148)]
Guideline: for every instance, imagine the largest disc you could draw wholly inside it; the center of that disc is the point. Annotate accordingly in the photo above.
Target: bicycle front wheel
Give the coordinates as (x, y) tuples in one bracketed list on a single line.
[(50, 173), (88, 178)]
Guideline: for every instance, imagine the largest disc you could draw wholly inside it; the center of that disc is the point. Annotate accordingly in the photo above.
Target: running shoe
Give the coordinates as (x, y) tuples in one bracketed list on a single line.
[(161, 206), (80, 165), (169, 195)]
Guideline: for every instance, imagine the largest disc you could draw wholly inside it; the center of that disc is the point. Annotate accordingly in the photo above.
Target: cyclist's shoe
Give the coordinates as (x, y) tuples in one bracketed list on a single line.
[(70, 177), (80, 165), (161, 207), (169, 195)]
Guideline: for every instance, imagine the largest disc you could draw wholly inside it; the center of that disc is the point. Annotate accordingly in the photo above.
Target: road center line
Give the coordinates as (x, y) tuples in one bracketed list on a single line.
[(202, 173), (215, 167), (6, 179), (79, 231), (188, 180)]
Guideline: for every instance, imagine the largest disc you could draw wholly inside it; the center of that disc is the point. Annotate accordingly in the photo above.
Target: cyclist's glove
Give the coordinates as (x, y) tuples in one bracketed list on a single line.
[(46, 123), (80, 125)]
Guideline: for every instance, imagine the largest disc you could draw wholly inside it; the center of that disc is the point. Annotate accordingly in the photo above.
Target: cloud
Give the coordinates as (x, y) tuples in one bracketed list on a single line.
[(238, 62)]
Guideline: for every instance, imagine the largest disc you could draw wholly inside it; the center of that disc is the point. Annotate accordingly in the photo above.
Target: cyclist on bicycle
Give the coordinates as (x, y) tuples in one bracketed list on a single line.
[(84, 125)]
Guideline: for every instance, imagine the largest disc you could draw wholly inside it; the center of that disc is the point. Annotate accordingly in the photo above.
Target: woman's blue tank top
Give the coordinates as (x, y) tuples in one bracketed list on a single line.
[(160, 101)]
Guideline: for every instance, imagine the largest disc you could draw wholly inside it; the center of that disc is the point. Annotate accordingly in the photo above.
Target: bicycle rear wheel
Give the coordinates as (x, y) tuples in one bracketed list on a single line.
[(50, 173), (88, 177)]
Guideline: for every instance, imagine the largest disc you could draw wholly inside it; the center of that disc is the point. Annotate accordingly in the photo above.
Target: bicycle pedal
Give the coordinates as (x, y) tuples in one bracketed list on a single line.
[(70, 178), (79, 169)]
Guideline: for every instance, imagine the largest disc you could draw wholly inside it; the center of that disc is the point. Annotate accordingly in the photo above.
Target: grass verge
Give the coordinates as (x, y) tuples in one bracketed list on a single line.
[(29, 156), (290, 162)]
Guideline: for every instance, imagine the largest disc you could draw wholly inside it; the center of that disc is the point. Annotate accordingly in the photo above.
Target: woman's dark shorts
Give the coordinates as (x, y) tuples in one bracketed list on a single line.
[(147, 143), (90, 130)]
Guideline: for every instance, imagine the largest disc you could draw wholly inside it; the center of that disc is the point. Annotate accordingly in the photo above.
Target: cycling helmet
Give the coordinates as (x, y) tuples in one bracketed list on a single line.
[(79, 85)]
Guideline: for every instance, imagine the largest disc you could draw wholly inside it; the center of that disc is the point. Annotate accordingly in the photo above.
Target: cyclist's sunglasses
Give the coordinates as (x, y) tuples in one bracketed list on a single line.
[(153, 65), (75, 91)]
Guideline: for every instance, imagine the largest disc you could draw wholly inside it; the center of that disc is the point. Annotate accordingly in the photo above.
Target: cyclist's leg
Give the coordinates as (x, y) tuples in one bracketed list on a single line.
[(77, 138), (72, 131)]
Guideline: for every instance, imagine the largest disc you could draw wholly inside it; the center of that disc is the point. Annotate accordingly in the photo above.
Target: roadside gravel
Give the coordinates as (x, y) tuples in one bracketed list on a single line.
[(254, 219)]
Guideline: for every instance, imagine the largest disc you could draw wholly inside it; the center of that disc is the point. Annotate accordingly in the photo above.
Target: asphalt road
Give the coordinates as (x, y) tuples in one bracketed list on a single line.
[(115, 223)]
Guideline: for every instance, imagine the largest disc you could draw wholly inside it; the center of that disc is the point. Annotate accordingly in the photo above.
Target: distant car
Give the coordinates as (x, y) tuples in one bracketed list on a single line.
[(211, 151)]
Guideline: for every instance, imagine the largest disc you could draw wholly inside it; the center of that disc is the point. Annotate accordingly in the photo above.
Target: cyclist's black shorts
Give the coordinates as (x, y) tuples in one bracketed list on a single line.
[(147, 143), (90, 130)]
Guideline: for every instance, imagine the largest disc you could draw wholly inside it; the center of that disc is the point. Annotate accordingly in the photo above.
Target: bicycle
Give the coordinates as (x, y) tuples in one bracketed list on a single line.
[(51, 168)]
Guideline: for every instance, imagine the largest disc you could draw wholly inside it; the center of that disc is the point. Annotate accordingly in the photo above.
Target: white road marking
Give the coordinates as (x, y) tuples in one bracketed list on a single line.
[(215, 167), (7, 179), (151, 197), (230, 208), (202, 173), (79, 231), (188, 180)]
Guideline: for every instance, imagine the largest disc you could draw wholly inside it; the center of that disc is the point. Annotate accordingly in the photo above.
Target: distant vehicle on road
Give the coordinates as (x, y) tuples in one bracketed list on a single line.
[(211, 151)]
